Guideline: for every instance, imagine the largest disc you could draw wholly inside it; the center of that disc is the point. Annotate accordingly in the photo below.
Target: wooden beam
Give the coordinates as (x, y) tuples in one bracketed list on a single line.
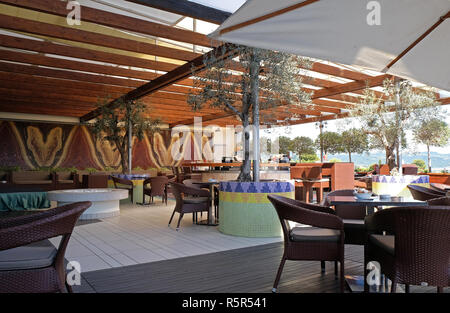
[(83, 53), (415, 42), (170, 78), (267, 16), (187, 8), (39, 59), (74, 34), (327, 92), (116, 21), (69, 75)]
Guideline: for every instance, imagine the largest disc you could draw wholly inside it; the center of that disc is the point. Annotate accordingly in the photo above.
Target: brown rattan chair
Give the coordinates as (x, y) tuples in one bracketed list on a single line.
[(189, 200), (423, 193), (323, 241), (440, 201), (440, 188), (415, 249), (28, 262), (158, 187), (122, 183), (352, 216)]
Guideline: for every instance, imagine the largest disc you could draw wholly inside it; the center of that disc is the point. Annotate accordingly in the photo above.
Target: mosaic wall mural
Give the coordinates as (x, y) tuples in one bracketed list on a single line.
[(34, 145)]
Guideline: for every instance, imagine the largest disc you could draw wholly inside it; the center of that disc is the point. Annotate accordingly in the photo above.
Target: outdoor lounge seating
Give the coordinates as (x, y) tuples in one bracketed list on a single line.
[(189, 200), (67, 180), (423, 193), (34, 179), (415, 250), (122, 183), (158, 187), (28, 262), (322, 241), (352, 216)]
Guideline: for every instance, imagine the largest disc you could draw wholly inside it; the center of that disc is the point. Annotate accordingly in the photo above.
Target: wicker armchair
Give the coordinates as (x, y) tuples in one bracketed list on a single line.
[(324, 241), (440, 201), (158, 187), (189, 200), (29, 263), (352, 216), (122, 183), (423, 193), (416, 249)]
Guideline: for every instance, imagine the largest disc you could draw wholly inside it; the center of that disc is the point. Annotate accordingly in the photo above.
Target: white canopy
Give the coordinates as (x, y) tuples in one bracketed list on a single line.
[(341, 31)]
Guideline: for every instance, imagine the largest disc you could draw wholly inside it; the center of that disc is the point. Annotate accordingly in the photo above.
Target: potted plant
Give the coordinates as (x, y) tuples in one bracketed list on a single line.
[(266, 81)]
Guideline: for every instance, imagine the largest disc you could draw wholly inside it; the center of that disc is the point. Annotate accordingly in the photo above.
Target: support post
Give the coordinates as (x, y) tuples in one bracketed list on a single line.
[(130, 145), (254, 87)]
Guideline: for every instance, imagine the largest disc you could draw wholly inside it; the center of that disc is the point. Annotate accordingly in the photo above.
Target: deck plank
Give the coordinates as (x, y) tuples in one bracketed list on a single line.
[(243, 270)]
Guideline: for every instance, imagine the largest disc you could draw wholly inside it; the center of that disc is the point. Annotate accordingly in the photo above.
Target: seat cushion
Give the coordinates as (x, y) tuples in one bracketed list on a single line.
[(35, 255), (33, 182), (386, 243), (191, 199), (315, 234), (354, 223), (65, 181)]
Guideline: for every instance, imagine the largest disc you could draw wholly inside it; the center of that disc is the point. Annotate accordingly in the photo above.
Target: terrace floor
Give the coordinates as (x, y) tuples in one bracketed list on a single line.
[(140, 235), (137, 252)]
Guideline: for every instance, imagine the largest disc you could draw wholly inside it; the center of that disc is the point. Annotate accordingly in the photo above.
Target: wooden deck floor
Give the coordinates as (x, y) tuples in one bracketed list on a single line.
[(241, 270)]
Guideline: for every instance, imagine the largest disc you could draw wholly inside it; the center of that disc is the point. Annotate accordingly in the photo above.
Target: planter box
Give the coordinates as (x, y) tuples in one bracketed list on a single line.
[(397, 185), (245, 210)]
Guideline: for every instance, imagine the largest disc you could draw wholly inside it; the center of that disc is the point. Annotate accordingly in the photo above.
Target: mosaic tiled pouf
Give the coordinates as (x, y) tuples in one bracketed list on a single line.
[(138, 182), (397, 185), (245, 210)]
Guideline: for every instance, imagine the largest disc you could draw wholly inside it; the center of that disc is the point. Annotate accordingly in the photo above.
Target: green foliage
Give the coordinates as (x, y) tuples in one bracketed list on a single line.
[(10, 168), (91, 170), (303, 146), (420, 164), (330, 141), (65, 169), (285, 144), (354, 141), (432, 132), (334, 160), (237, 82), (114, 122), (309, 157), (388, 115)]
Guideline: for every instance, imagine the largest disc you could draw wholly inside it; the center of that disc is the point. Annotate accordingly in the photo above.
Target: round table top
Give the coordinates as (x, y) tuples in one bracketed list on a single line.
[(90, 194)]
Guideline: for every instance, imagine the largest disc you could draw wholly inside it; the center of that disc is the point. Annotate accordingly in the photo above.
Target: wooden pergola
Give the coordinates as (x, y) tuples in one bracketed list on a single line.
[(49, 67)]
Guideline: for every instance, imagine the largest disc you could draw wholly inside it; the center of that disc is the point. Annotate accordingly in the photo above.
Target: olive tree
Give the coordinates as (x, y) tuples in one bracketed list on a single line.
[(115, 124), (386, 117), (329, 142), (354, 141), (432, 133), (303, 146), (252, 86)]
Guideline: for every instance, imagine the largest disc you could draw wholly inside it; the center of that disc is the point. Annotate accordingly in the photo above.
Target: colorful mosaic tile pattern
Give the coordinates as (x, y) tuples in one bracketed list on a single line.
[(405, 179), (257, 187)]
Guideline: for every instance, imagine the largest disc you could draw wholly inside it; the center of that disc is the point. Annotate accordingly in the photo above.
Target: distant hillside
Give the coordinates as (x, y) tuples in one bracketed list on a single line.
[(438, 160)]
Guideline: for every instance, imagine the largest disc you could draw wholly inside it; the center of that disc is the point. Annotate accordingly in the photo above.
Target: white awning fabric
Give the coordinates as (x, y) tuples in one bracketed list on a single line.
[(347, 31)]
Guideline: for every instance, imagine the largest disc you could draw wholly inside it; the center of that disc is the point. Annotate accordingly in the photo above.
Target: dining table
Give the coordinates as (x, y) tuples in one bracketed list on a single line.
[(356, 282)]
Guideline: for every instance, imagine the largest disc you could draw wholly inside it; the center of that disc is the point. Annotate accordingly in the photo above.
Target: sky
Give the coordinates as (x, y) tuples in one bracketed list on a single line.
[(224, 5)]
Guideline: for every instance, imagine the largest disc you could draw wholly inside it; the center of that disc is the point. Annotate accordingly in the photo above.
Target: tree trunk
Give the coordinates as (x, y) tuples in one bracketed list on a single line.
[(254, 87), (123, 155), (429, 158), (245, 175), (390, 157), (350, 157)]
